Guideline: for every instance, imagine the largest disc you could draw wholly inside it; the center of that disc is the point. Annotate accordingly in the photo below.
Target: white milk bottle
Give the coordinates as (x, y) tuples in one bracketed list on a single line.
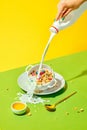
[(69, 19)]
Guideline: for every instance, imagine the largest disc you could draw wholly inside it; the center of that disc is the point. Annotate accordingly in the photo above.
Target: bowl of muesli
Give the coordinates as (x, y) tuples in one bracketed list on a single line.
[(46, 77)]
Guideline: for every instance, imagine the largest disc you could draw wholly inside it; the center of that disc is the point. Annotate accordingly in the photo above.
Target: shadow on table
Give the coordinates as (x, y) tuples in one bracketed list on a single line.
[(83, 73), (56, 93)]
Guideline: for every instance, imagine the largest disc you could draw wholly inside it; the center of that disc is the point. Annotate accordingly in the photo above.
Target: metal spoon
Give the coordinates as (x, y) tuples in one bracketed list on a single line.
[(52, 108)]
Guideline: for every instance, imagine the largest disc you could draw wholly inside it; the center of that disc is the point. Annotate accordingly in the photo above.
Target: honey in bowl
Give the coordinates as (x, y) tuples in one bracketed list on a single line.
[(19, 107)]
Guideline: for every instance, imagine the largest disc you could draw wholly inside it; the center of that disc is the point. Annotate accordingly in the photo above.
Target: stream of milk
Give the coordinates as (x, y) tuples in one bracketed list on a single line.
[(45, 51)]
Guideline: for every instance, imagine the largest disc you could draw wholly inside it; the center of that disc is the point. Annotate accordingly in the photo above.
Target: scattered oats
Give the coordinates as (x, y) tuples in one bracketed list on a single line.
[(81, 110)]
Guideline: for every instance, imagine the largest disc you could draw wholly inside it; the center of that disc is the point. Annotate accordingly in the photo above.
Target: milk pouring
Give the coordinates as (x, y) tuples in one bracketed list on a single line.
[(62, 24)]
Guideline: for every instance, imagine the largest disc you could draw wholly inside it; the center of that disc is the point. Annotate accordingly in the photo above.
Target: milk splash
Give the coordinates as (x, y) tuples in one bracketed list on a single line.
[(29, 97), (45, 51)]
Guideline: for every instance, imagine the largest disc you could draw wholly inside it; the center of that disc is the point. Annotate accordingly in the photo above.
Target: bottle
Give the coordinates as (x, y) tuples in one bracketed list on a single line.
[(69, 19)]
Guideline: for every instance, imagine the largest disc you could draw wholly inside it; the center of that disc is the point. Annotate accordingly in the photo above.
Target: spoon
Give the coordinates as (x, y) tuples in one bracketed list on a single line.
[(52, 108)]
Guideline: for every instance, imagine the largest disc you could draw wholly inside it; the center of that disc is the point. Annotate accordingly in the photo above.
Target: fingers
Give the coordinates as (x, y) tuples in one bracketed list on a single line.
[(61, 10), (67, 12), (64, 8), (60, 13), (63, 13)]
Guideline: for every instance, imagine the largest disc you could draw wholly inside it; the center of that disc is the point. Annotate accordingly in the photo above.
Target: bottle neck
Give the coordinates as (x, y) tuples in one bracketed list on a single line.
[(55, 29)]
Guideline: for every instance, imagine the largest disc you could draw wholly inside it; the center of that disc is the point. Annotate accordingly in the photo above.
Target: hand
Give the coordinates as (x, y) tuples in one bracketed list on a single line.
[(66, 6)]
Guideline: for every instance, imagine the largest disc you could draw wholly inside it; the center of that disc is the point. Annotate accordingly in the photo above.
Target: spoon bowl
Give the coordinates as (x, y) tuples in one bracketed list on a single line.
[(52, 108)]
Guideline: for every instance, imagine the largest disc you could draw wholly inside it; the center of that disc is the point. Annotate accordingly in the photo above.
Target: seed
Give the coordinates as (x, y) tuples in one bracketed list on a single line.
[(81, 110)]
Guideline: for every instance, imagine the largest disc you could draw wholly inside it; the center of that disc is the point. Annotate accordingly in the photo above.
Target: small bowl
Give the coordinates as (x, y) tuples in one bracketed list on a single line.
[(19, 107), (50, 84)]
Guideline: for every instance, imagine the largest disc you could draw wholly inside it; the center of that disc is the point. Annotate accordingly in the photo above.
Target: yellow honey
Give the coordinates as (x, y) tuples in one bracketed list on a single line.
[(18, 106)]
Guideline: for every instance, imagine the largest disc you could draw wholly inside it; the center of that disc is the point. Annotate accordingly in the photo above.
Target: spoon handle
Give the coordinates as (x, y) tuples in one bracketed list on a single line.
[(65, 98)]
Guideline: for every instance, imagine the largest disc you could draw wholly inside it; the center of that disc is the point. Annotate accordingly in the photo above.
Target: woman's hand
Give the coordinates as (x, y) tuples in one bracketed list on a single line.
[(66, 6)]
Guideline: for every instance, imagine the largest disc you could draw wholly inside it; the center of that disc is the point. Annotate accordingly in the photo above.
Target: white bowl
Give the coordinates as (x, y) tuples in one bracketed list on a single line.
[(44, 86), (19, 107)]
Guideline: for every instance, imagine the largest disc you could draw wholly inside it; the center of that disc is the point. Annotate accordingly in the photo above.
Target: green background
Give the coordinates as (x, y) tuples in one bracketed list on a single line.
[(74, 70)]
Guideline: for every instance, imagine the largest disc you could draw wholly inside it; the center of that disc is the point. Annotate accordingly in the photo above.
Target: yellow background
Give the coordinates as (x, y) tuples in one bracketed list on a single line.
[(24, 31)]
